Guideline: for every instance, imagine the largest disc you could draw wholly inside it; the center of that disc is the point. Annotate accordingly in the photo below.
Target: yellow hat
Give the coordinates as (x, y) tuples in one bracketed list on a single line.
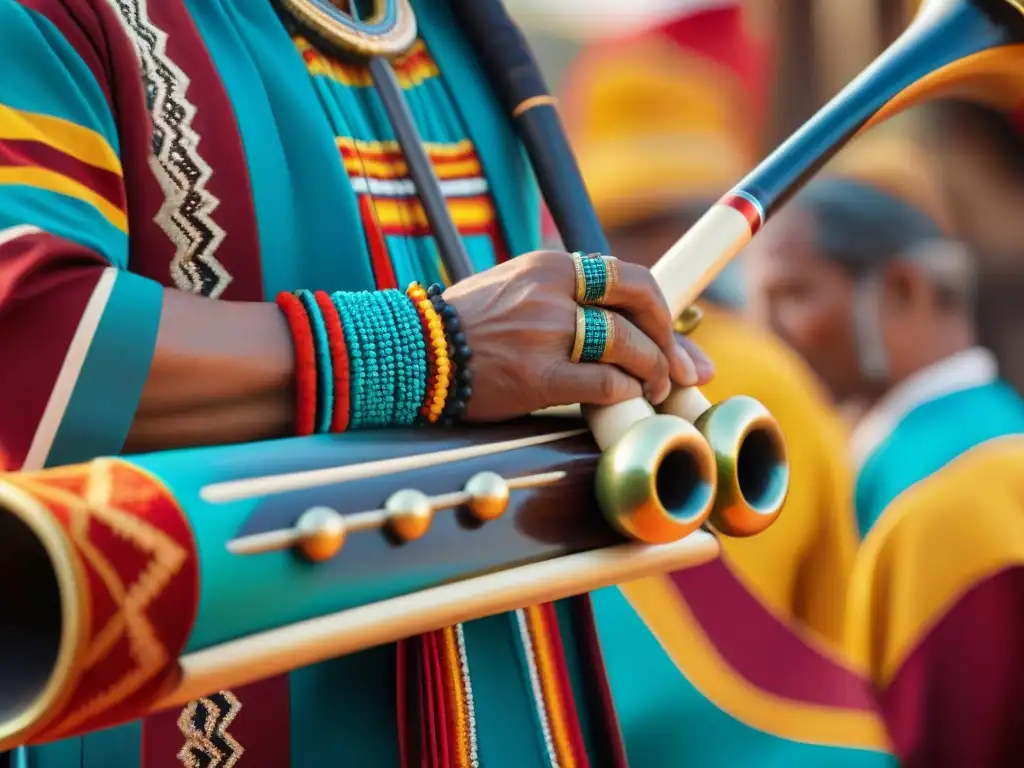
[(668, 116)]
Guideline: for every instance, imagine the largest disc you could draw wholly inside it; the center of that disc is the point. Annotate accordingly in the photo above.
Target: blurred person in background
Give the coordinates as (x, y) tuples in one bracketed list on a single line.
[(862, 275), (982, 169), (741, 654)]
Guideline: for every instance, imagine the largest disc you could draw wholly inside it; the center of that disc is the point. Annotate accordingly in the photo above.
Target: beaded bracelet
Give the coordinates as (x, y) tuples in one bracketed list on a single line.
[(438, 363), (460, 354), (305, 362), (367, 359), (324, 365), (339, 360)]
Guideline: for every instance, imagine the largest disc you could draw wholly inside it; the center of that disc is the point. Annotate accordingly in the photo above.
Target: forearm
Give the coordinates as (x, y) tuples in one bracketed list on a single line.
[(222, 372)]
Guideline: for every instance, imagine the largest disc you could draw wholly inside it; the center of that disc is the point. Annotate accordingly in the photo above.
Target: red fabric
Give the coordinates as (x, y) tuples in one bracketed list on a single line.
[(130, 552), (305, 363), (25, 152), (339, 360), (955, 702), (722, 36), (45, 284), (261, 728), (380, 259), (600, 704)]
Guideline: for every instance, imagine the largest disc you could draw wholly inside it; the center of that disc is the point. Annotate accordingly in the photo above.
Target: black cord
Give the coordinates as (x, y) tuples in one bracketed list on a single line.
[(421, 170)]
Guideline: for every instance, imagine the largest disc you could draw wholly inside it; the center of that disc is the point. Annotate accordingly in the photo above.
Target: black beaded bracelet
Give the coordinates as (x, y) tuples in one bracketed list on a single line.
[(459, 353)]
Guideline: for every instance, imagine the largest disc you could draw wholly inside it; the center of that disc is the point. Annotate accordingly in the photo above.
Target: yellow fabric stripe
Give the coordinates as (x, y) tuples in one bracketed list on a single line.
[(434, 150), (383, 169), (669, 618), (466, 213), (933, 543), (41, 178), (67, 137)]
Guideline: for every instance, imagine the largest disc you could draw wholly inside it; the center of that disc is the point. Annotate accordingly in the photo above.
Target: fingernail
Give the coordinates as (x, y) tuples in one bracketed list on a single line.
[(663, 392), (705, 369), (687, 362)]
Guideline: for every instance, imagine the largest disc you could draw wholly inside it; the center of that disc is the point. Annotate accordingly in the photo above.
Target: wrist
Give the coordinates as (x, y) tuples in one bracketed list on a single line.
[(376, 359)]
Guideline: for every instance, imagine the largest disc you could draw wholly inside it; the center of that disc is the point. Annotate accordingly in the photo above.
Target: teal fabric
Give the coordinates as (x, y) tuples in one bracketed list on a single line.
[(929, 437), (665, 717), (47, 75), (67, 217), (513, 185), (311, 236), (102, 407), (310, 232)]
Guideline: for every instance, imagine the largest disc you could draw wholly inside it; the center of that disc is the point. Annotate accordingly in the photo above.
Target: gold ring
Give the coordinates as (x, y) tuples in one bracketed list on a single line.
[(609, 343), (688, 321), (581, 334), (581, 278), (611, 265)]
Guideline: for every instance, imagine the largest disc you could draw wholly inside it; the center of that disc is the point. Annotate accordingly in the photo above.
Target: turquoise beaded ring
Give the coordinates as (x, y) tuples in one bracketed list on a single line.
[(595, 334), (595, 276)]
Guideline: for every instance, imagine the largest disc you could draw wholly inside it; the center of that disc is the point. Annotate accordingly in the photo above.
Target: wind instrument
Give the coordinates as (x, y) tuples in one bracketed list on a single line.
[(724, 462), (134, 584)]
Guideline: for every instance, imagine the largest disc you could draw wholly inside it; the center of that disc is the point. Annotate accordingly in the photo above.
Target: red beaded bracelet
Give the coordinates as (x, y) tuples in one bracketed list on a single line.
[(339, 360), (305, 362)]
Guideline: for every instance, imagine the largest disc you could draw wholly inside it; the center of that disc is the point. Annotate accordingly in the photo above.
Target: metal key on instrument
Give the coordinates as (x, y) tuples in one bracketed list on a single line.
[(320, 532)]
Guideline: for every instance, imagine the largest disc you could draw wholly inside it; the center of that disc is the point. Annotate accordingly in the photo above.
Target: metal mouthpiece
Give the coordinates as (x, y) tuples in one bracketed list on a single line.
[(657, 483), (753, 471)]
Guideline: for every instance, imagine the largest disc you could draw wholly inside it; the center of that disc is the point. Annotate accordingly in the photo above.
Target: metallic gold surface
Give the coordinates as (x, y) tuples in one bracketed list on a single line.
[(657, 483), (688, 321), (581, 334), (611, 265), (32, 711), (410, 514), (391, 43), (609, 343), (581, 280), (489, 495), (321, 533), (752, 467)]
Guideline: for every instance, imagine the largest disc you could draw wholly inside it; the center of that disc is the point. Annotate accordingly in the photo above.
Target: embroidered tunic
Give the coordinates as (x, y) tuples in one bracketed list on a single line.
[(196, 145)]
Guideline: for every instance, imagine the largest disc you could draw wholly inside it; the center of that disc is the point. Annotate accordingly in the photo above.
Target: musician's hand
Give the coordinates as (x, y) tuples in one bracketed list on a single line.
[(520, 321)]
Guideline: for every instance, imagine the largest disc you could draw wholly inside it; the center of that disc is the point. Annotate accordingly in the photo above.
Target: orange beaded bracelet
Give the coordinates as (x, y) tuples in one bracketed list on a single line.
[(438, 364)]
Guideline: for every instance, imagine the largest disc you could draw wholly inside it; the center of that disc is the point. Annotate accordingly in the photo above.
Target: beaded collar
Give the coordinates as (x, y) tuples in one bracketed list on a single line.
[(389, 31)]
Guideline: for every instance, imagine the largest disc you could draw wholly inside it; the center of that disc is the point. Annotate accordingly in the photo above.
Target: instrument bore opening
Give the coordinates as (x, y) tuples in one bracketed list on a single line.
[(760, 471), (30, 617), (681, 484)]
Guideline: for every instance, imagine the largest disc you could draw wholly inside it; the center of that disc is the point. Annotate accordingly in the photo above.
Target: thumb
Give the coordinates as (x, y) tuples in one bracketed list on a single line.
[(590, 384)]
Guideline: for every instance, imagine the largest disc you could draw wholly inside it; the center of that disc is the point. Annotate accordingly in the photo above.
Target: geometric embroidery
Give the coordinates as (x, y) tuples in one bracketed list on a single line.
[(186, 213), (204, 724)]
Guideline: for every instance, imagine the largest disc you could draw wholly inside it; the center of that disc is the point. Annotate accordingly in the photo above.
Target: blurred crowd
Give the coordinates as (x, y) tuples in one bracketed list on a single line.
[(877, 316)]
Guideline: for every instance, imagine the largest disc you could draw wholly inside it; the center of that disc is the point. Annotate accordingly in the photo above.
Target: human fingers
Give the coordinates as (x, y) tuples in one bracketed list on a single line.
[(589, 383), (632, 289), (703, 366), (627, 347)]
